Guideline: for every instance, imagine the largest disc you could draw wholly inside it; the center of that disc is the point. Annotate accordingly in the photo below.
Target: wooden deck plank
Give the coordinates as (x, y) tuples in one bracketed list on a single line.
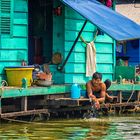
[(108, 105), (67, 108), (11, 92), (124, 87), (33, 91), (23, 113), (66, 99)]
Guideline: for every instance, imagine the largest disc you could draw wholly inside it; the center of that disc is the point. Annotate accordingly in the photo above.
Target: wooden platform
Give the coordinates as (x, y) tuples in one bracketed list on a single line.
[(11, 92), (23, 113), (66, 104), (124, 87)]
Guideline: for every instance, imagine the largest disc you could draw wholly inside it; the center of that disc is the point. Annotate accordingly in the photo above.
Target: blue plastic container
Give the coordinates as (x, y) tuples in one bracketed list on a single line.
[(75, 91)]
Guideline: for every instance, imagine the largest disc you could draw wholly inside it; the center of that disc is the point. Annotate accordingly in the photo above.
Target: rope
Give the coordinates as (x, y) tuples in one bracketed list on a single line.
[(83, 40)]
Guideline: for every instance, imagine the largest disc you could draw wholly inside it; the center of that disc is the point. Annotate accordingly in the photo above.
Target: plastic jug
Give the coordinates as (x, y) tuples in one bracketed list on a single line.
[(75, 91)]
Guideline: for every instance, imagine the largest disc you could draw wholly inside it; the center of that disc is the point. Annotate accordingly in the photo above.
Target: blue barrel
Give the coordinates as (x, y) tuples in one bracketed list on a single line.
[(75, 91)]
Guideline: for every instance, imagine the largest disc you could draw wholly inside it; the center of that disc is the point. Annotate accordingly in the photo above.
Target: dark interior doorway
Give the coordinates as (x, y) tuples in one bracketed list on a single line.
[(40, 31)]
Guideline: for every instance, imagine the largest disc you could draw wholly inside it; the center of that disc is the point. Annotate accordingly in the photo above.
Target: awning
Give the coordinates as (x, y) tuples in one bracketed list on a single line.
[(112, 23)]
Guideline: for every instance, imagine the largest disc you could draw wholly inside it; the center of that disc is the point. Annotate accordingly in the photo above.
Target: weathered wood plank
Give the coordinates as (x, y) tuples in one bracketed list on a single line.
[(138, 96), (67, 102), (104, 38), (104, 47), (22, 43), (81, 78), (24, 113), (0, 106), (76, 57), (81, 47), (120, 97), (24, 103), (13, 55), (20, 31), (76, 24), (69, 13), (63, 103), (21, 6), (108, 105), (6, 64), (20, 15), (71, 35), (81, 68), (20, 21)]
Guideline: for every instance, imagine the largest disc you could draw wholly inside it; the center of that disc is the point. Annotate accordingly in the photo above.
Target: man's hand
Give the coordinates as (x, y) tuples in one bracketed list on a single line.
[(91, 96), (95, 100), (109, 97), (97, 104)]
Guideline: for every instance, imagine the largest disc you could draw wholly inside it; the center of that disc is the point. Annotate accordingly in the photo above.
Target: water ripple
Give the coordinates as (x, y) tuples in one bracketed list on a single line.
[(112, 128)]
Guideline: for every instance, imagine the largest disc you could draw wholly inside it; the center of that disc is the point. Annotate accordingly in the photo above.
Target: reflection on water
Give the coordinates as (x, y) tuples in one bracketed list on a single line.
[(112, 128)]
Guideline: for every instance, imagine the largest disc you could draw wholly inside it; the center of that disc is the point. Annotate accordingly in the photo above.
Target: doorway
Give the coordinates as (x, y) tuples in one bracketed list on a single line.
[(40, 31)]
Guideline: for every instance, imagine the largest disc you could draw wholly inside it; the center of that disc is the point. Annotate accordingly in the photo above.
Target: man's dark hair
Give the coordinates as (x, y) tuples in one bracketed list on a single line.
[(97, 75), (107, 83)]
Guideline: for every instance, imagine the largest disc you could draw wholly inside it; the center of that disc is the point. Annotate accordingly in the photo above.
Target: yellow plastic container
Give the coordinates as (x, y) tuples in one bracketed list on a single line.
[(15, 76)]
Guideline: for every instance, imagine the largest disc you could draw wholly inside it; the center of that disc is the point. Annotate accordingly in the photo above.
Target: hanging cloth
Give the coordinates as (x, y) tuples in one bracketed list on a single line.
[(90, 59)]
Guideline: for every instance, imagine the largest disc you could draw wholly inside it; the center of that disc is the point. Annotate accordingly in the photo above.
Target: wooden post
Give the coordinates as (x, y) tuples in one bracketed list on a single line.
[(138, 96), (24, 103), (120, 97), (0, 95), (0, 107)]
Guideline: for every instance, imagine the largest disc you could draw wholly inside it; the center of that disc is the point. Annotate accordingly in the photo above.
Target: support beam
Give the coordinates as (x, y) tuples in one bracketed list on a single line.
[(114, 106), (60, 68), (120, 97), (67, 102), (0, 106), (138, 96), (24, 103)]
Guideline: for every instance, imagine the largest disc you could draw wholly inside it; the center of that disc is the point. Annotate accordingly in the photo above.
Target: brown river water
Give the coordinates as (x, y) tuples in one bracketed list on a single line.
[(105, 128)]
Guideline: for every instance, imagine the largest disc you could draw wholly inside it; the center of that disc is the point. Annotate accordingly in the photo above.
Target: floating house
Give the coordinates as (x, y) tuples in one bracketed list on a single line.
[(35, 30), (54, 32), (133, 47)]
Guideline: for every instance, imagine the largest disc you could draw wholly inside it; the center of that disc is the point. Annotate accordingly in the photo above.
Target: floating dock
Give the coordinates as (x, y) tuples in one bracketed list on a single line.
[(15, 101)]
